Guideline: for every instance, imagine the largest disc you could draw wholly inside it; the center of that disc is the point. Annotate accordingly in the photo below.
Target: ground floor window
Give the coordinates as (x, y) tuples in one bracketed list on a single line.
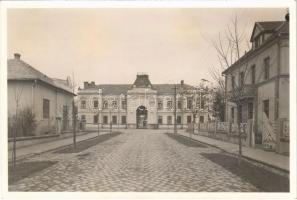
[(46, 109), (232, 114), (83, 118), (105, 119), (189, 119), (124, 120), (169, 119), (201, 119), (95, 119), (160, 120), (250, 110), (178, 119), (114, 119), (266, 107)]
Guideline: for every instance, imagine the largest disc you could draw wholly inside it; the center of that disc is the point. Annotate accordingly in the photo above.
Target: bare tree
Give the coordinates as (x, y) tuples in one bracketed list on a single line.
[(74, 112), (17, 98)]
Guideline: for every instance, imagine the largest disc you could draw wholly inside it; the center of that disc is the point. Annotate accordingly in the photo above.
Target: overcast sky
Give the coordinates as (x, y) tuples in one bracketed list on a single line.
[(110, 45)]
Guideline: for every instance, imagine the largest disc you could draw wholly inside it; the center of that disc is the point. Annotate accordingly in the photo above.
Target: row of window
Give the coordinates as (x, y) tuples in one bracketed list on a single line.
[(253, 74), (250, 110), (114, 119), (114, 104)]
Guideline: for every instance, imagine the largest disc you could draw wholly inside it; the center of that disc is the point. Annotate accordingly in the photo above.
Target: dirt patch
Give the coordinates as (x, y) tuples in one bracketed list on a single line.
[(186, 141), (263, 179), (25, 169), (83, 145)]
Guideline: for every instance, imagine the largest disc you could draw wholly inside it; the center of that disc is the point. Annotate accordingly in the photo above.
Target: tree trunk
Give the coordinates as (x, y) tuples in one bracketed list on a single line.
[(239, 138), (74, 124)]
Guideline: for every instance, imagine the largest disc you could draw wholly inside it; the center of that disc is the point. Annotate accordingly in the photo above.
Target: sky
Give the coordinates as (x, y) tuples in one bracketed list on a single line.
[(112, 45)]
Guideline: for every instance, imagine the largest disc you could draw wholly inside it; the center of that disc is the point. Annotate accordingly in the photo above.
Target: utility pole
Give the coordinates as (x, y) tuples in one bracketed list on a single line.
[(175, 128)]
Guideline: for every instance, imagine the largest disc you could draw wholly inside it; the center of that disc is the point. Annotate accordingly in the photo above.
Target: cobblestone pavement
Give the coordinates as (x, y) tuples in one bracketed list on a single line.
[(135, 161)]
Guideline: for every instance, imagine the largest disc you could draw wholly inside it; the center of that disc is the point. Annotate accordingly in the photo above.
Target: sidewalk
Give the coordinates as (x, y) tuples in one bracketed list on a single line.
[(43, 147), (266, 157)]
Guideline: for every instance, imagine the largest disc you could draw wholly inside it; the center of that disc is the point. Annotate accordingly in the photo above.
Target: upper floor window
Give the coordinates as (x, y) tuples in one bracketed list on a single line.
[(160, 105), (46, 108), (95, 103), (241, 78), (202, 103), (266, 68), (105, 104), (253, 71), (179, 105), (114, 104), (124, 104), (83, 104), (189, 103), (233, 82), (169, 104)]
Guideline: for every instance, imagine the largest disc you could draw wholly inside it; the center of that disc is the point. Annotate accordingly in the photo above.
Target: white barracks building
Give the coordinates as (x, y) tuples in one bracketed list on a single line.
[(138, 105)]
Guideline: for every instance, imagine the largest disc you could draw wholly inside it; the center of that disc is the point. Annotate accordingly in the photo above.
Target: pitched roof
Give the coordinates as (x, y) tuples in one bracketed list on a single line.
[(142, 81), (117, 89), (280, 28), (19, 70), (267, 26)]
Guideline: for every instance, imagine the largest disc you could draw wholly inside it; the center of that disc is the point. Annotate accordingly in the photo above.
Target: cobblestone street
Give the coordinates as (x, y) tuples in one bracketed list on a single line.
[(136, 161)]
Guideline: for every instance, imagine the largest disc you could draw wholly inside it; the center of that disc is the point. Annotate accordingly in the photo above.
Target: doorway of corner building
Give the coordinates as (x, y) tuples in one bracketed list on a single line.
[(141, 117)]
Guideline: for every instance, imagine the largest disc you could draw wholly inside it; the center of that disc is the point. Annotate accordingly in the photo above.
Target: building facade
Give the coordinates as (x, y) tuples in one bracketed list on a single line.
[(138, 105), (259, 80), (32, 92)]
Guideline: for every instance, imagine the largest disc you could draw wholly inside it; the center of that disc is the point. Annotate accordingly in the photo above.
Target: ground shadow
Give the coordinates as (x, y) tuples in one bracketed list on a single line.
[(263, 179), (186, 141), (83, 145), (25, 169)]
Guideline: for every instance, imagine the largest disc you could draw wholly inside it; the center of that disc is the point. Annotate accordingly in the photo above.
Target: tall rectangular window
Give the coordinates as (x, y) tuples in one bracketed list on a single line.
[(105, 104), (250, 110), (124, 104), (95, 119), (189, 103), (83, 118), (233, 82), (83, 104), (232, 114), (240, 113), (114, 104), (169, 104), (189, 119), (266, 107), (169, 119), (160, 120), (95, 103), (266, 68), (253, 71), (178, 119), (46, 108), (179, 105), (160, 105), (124, 120), (105, 119), (202, 103), (114, 119), (201, 119), (241, 78)]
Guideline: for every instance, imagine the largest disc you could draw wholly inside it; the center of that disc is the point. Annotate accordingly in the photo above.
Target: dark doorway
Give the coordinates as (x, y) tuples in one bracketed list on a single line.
[(141, 117)]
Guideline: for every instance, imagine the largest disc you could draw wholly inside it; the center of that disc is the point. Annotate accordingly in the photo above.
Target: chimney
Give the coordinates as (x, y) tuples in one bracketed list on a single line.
[(93, 84), (287, 17), (17, 56), (182, 82), (86, 85)]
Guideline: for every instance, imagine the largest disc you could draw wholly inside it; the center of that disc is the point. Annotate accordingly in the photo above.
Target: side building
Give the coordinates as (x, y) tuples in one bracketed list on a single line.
[(41, 104), (262, 76), (138, 105)]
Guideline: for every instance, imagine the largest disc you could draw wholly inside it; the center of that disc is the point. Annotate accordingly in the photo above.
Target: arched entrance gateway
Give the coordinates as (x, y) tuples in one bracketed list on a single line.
[(141, 117)]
